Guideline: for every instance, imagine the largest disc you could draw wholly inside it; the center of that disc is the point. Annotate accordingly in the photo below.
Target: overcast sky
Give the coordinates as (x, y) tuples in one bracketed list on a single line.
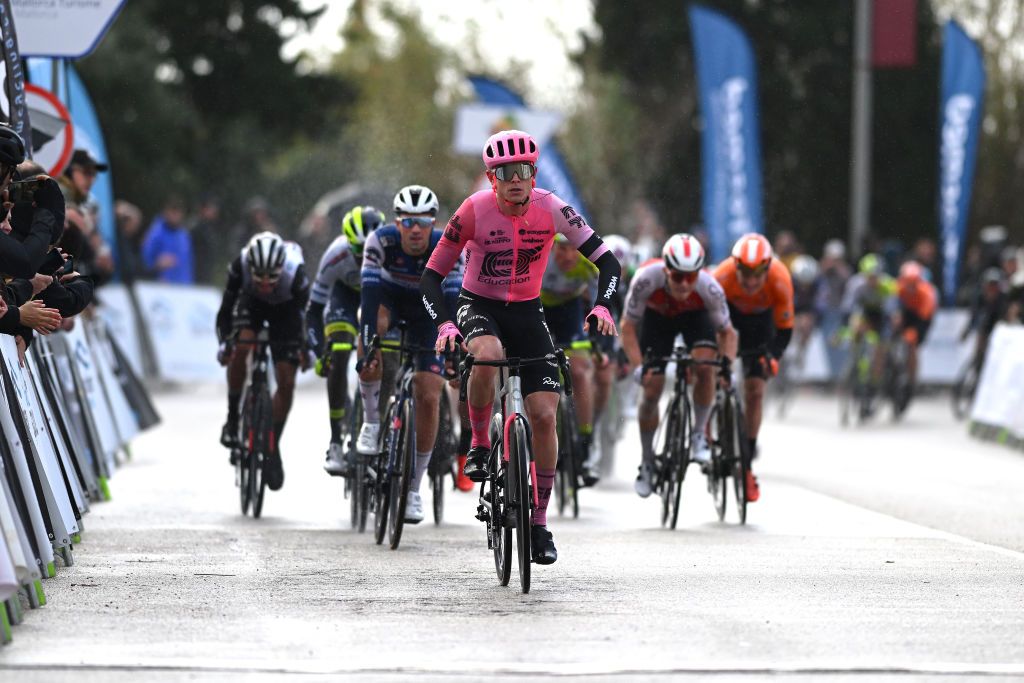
[(540, 31)]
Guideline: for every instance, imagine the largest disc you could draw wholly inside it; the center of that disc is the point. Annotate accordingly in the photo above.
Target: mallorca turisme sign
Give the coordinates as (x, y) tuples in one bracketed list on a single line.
[(62, 28)]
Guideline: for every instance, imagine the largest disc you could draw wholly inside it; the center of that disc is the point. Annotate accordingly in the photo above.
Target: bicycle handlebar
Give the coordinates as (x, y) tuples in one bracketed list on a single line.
[(514, 364)]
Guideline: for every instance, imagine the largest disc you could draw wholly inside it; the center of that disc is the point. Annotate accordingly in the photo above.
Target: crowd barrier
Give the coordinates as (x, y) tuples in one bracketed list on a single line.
[(997, 412), (69, 411)]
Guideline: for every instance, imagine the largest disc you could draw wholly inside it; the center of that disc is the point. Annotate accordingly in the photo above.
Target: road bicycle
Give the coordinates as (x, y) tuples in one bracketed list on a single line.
[(509, 493), (730, 449)]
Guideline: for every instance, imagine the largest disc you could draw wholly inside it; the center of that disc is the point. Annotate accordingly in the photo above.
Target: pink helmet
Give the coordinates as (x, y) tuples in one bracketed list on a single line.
[(510, 145)]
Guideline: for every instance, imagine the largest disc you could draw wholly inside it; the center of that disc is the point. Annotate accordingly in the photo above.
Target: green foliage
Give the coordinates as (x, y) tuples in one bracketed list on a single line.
[(195, 99)]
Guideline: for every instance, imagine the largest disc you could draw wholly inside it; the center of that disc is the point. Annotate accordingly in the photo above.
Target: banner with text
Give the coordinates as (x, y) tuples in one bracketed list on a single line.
[(963, 89), (731, 143)]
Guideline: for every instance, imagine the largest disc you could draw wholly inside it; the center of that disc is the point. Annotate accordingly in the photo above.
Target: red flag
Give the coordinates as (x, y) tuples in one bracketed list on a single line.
[(894, 33)]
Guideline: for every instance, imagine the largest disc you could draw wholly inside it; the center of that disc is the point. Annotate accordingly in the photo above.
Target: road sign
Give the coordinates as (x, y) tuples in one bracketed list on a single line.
[(53, 135), (68, 28)]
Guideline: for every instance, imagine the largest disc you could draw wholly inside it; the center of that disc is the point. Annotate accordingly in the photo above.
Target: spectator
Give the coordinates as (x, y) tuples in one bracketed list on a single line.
[(835, 271), (167, 249), (786, 247), (78, 179), (255, 218), (129, 240), (205, 228)]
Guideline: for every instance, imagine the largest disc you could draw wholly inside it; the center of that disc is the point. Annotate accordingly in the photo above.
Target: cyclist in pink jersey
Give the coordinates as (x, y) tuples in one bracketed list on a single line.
[(507, 233)]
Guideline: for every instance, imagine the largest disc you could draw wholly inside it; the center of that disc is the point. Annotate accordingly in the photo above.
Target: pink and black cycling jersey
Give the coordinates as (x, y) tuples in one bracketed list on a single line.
[(506, 255), (647, 291)]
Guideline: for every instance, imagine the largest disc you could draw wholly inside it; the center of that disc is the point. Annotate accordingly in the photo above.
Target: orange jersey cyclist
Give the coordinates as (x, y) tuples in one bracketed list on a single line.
[(918, 300), (759, 290), (507, 233), (667, 297)]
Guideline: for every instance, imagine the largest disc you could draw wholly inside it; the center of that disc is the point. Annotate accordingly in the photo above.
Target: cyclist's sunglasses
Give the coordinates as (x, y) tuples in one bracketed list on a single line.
[(679, 276), (747, 271), (266, 278), (411, 222), (507, 171)]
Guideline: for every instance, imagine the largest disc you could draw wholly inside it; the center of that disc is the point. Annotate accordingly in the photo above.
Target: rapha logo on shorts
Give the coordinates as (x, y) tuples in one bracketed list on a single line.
[(499, 263), (550, 382)]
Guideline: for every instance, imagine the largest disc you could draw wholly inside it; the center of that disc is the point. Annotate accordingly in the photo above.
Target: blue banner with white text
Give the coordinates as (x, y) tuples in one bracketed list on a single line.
[(963, 89), (552, 173), (731, 141)]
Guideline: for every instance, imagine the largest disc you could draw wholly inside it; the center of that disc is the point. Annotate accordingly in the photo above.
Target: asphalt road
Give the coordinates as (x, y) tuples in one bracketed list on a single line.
[(886, 551)]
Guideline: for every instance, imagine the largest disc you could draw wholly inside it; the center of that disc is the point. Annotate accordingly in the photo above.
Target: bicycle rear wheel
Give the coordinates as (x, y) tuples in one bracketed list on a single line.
[(963, 391), (405, 450), (520, 495), (261, 452), (568, 457), (354, 484), (441, 458)]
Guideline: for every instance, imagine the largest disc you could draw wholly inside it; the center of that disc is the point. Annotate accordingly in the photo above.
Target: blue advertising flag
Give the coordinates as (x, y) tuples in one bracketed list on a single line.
[(731, 143), (552, 173), (963, 89)]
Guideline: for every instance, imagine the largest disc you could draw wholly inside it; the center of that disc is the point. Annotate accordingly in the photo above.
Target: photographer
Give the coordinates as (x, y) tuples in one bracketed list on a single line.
[(36, 214)]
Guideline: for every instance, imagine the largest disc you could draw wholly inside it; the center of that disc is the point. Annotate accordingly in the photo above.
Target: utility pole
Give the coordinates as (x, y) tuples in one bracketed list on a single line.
[(860, 152)]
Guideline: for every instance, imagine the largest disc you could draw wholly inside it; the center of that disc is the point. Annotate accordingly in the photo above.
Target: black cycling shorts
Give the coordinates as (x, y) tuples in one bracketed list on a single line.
[(756, 331), (658, 334), (566, 323), (912, 320), (521, 327), (340, 316), (285, 322), (420, 329)]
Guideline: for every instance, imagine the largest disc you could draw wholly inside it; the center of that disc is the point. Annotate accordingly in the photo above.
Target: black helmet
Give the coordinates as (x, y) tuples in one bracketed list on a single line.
[(12, 147)]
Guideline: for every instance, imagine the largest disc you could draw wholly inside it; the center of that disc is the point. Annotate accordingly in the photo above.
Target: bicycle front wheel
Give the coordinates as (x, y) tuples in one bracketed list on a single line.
[(405, 451), (521, 497), (739, 453), (721, 456), (262, 445), (382, 480), (963, 391), (680, 455)]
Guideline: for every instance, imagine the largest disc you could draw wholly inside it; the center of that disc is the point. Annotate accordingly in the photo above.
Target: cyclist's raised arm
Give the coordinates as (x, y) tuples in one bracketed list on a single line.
[(590, 244), (227, 303), (370, 278), (460, 229)]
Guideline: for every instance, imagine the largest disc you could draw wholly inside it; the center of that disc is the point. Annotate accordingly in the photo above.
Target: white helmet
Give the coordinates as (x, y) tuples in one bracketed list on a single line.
[(416, 199), (620, 248), (804, 269), (265, 254), (683, 252)]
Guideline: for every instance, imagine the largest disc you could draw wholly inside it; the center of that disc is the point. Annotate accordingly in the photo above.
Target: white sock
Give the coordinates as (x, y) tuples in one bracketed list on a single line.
[(422, 461), (700, 417), (371, 395)]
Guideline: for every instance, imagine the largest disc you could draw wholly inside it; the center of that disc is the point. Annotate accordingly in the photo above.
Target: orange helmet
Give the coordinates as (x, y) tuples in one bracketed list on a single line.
[(911, 273), (752, 253)]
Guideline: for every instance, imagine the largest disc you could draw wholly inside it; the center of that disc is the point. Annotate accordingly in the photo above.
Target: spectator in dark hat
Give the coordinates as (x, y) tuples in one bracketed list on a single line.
[(206, 232), (79, 177)]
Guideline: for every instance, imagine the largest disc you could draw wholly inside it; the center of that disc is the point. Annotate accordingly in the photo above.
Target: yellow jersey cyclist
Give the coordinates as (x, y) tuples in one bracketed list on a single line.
[(673, 296), (266, 283), (507, 232), (869, 301), (332, 319), (569, 284), (396, 256)]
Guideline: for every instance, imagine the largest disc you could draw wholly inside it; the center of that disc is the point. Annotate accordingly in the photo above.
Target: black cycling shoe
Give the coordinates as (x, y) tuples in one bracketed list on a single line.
[(273, 472), (590, 475), (229, 435), (543, 545), (476, 463)]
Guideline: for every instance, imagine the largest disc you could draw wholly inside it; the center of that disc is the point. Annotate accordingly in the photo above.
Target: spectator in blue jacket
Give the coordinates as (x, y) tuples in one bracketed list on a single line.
[(167, 250)]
